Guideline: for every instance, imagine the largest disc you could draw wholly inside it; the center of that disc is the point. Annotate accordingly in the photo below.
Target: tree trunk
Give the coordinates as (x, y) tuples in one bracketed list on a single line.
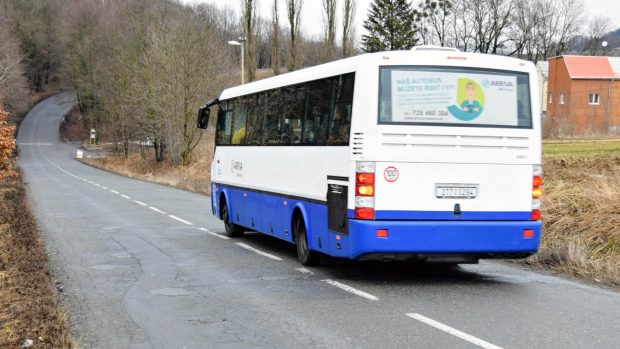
[(160, 146)]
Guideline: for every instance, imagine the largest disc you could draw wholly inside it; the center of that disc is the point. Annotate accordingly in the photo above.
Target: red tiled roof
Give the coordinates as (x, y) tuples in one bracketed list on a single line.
[(588, 67)]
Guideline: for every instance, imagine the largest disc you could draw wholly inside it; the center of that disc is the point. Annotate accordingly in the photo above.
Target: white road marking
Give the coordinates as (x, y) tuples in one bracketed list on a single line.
[(114, 191), (180, 220), (453, 331), (139, 202), (104, 188), (304, 271), (98, 185), (125, 196), (351, 290), (44, 144), (223, 237), (265, 254), (157, 210)]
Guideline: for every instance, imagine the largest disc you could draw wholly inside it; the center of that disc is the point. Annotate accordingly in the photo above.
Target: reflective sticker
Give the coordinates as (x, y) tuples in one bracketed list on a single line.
[(390, 174)]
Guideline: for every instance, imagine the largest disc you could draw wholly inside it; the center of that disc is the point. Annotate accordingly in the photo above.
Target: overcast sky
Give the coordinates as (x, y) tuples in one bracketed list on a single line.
[(312, 17)]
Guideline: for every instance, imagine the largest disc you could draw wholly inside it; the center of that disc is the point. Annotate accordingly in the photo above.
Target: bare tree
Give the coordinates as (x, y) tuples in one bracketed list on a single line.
[(525, 19), (439, 19), (491, 20), (13, 84), (542, 43), (275, 38), (571, 13), (293, 10), (329, 28), (348, 29), (598, 29), (250, 16), (461, 31)]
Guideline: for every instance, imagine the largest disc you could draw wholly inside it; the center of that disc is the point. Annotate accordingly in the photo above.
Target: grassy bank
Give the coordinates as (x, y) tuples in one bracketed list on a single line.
[(29, 308), (581, 203), (581, 210)]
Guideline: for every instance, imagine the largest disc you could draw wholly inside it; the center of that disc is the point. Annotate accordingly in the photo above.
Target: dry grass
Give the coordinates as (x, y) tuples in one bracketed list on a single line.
[(195, 177), (581, 211), (29, 307)]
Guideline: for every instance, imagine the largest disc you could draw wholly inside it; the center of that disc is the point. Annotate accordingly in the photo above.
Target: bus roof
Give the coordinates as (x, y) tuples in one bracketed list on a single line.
[(348, 65)]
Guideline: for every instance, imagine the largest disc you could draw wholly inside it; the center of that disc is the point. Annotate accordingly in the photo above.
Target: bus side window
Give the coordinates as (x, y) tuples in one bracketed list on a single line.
[(253, 134), (224, 123), (294, 101), (317, 114), (341, 121), (239, 122), (524, 108), (271, 121)]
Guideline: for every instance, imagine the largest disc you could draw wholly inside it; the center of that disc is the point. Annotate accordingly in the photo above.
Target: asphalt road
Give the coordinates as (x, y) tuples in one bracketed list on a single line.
[(146, 266)]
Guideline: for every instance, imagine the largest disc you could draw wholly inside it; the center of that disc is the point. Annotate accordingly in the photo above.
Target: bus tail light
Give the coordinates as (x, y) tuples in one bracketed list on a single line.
[(537, 181), (365, 190), (365, 178), (364, 213)]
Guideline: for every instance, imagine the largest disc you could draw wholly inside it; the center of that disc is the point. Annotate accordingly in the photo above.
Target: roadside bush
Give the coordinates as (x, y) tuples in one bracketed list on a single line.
[(7, 145)]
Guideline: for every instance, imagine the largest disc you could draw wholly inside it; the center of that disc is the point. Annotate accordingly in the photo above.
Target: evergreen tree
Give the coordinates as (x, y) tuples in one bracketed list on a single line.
[(390, 26)]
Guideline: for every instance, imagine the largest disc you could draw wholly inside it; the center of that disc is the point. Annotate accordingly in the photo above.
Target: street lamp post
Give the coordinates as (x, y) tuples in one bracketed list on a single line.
[(240, 43)]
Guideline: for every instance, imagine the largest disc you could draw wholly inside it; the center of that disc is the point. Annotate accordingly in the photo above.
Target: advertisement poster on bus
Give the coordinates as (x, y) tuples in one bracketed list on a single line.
[(461, 98)]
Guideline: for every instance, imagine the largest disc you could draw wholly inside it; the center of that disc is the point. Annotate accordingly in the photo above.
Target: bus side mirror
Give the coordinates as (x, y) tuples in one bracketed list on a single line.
[(203, 117)]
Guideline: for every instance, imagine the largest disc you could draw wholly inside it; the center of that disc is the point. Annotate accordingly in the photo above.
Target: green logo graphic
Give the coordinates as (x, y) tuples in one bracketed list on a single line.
[(470, 99)]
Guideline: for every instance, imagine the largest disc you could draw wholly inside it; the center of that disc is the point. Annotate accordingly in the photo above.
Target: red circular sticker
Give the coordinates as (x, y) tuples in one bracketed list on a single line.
[(390, 174)]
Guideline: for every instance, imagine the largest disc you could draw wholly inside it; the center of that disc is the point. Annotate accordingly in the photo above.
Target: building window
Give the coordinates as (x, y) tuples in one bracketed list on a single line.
[(561, 98), (550, 99), (593, 98)]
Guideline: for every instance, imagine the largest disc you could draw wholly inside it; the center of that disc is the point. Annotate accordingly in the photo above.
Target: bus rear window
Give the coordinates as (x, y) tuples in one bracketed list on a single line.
[(443, 96)]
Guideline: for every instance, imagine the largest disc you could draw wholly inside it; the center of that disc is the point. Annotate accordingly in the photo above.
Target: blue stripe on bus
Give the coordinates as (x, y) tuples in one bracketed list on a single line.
[(272, 215), (424, 237), (449, 215)]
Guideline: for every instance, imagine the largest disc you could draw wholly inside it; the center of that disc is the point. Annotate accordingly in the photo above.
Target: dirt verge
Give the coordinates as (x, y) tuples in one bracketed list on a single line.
[(29, 307)]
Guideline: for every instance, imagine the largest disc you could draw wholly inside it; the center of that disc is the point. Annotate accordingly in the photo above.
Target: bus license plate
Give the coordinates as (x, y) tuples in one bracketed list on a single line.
[(456, 192)]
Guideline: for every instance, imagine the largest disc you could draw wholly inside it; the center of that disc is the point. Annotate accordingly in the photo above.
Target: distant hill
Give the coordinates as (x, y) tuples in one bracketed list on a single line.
[(580, 44)]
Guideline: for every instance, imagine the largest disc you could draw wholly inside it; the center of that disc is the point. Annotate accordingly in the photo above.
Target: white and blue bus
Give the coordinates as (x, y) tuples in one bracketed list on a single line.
[(430, 154)]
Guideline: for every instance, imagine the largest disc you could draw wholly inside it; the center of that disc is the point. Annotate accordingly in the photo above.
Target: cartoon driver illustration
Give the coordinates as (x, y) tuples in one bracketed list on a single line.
[(470, 105)]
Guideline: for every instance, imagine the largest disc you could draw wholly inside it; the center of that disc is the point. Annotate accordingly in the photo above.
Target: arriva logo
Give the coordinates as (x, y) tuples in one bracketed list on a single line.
[(470, 99)]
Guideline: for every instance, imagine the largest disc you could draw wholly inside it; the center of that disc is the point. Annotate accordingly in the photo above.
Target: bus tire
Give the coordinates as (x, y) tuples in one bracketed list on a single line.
[(306, 256), (232, 230)]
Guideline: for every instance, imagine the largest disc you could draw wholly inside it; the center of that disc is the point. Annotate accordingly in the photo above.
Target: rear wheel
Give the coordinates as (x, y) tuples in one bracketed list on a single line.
[(233, 230), (304, 254)]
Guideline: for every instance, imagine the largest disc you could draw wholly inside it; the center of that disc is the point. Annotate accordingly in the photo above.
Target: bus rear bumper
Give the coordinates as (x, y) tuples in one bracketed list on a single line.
[(489, 239)]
